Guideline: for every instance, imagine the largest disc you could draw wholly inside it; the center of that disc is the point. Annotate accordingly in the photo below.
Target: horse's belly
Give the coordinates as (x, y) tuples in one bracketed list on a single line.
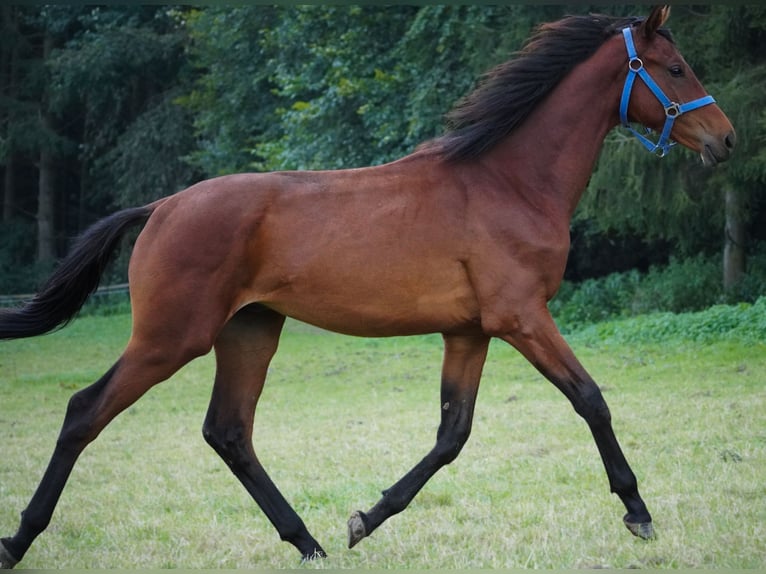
[(379, 306)]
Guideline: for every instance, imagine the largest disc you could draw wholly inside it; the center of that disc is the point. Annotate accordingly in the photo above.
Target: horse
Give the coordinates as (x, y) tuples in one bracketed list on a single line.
[(467, 236)]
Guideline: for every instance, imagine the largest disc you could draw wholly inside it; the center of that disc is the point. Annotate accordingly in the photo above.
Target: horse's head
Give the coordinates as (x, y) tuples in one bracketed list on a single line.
[(677, 104)]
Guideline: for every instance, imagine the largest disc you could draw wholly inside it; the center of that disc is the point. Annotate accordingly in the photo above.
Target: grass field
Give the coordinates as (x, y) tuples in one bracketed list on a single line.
[(342, 418)]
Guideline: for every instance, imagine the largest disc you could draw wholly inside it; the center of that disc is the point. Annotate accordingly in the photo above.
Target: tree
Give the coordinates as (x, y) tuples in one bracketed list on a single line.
[(29, 135), (8, 66), (232, 97), (46, 187), (328, 86), (118, 81), (88, 122)]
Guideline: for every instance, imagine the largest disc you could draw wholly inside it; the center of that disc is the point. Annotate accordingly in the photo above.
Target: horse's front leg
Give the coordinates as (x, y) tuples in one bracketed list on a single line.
[(536, 336), (463, 361)]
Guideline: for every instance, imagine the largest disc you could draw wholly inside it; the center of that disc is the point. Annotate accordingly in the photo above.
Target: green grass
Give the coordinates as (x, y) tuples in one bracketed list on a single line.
[(342, 418)]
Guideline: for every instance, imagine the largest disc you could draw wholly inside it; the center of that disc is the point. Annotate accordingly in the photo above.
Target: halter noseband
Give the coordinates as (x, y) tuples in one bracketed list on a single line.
[(672, 109)]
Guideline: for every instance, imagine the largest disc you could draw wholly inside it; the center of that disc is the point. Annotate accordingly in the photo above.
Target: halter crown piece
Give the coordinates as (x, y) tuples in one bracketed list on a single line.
[(672, 109)]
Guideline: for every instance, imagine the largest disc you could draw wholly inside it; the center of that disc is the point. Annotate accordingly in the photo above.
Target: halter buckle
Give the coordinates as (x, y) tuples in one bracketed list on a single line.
[(673, 110)]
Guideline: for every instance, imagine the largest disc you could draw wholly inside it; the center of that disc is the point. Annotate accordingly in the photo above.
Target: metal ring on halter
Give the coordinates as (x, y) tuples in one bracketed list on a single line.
[(638, 61), (673, 110)]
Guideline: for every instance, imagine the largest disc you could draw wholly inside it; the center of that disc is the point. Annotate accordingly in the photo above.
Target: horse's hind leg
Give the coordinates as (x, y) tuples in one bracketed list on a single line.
[(243, 352), (461, 371), (88, 412)]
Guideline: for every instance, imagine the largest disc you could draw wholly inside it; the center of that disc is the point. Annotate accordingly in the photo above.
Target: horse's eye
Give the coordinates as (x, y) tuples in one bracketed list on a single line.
[(676, 71)]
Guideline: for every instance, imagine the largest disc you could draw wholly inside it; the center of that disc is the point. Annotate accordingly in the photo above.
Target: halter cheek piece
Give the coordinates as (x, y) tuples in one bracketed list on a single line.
[(672, 109)]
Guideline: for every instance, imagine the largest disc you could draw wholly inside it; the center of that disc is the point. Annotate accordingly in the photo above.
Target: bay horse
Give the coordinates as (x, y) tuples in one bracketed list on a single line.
[(468, 236)]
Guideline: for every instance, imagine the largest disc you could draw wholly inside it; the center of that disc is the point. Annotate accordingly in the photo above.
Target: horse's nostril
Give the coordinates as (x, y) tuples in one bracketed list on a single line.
[(730, 140)]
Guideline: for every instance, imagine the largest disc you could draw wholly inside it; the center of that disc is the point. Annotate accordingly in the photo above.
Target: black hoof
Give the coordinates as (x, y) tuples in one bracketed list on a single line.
[(356, 528), (643, 530), (6, 560)]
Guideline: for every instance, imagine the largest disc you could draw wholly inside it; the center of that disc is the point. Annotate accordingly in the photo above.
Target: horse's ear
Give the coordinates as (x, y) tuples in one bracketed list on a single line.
[(657, 18)]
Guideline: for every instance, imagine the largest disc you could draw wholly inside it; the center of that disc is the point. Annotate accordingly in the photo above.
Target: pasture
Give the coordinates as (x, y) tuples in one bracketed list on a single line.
[(342, 418)]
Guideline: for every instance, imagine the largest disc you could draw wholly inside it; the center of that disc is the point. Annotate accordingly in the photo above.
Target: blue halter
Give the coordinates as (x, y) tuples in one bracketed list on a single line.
[(672, 109)]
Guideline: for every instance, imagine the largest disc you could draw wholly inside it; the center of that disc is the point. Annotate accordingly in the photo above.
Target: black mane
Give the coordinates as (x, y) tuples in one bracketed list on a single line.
[(509, 92)]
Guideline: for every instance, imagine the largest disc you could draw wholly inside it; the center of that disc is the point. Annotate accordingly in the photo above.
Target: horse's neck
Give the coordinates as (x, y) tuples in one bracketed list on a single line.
[(557, 146)]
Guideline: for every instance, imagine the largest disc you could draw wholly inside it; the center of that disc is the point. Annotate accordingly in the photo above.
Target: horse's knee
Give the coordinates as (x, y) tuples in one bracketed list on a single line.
[(451, 439), (229, 441), (447, 451), (591, 406), (214, 436)]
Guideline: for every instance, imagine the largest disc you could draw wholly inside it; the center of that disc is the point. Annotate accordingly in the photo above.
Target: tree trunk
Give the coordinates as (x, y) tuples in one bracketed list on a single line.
[(734, 244), (9, 188), (46, 191), (46, 250), (8, 55)]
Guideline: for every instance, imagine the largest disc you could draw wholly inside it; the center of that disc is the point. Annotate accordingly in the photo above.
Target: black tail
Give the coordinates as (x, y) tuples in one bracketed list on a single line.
[(75, 278)]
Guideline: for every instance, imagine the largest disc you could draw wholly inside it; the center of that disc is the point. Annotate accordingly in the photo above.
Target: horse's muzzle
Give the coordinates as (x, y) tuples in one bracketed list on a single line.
[(717, 150)]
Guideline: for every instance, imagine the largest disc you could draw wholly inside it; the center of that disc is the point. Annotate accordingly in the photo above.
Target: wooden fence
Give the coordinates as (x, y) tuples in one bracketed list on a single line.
[(14, 300)]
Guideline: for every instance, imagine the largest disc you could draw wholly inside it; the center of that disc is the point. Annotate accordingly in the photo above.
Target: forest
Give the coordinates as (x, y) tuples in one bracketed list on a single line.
[(114, 106)]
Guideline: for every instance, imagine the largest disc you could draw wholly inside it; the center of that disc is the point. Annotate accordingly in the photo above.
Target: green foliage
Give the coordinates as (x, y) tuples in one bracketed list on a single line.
[(337, 71), (146, 162), (25, 90), (122, 69), (326, 86), (17, 247), (632, 191), (744, 323), (595, 300), (684, 285), (232, 97)]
